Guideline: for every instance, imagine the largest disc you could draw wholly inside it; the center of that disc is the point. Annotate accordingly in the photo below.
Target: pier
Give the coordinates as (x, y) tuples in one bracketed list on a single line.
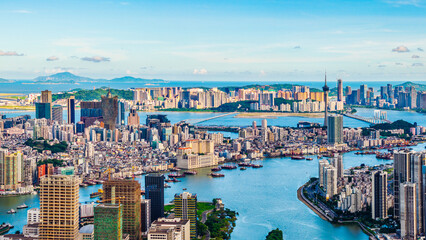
[(195, 121)]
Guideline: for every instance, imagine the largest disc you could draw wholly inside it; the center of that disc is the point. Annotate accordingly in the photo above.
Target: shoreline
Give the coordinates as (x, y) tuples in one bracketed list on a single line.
[(277, 114)]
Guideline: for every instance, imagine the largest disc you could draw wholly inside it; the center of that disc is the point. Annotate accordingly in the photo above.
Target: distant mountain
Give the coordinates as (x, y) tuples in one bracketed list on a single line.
[(63, 77), (2, 80), (129, 79), (418, 86)]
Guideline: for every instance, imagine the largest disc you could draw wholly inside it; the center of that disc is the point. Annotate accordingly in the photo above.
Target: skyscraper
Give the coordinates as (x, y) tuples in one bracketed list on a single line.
[(108, 222), (57, 113), (133, 118), (408, 212), (121, 111), (43, 110), (145, 214), (59, 207), (46, 96), (401, 173), (71, 110), (339, 90), (338, 164), (130, 192), (90, 112), (154, 190), (335, 129), (326, 89), (109, 110), (186, 208), (363, 93), (264, 130), (379, 184)]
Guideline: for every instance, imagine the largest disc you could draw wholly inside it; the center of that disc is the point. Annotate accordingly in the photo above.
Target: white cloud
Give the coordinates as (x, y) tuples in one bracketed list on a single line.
[(397, 3), (201, 71), (52, 58), (400, 49), (415, 56), (262, 73), (417, 65), (96, 59), (10, 53), (58, 70)]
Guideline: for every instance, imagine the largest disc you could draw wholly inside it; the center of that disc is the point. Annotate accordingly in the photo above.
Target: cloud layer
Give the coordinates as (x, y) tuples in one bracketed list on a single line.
[(400, 49), (52, 58), (201, 71), (96, 59), (10, 53)]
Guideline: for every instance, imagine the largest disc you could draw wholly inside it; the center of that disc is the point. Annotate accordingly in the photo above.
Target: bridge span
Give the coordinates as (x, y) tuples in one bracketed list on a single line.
[(195, 121), (366, 119)]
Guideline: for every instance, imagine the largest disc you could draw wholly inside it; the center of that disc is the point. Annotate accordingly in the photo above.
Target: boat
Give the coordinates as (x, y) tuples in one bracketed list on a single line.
[(229, 167), (190, 173), (243, 168), (175, 180), (244, 164), (217, 169), (385, 156), (216, 175), (168, 180), (297, 157), (166, 185), (175, 170), (184, 189), (22, 206), (5, 227), (176, 175), (11, 211), (257, 166), (309, 159), (96, 194), (83, 185)]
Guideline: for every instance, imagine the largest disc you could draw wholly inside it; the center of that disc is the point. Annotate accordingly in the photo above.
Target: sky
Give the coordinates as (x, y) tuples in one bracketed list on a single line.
[(220, 40)]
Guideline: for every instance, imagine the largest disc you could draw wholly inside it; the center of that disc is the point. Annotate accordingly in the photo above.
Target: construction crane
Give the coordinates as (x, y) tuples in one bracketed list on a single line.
[(109, 173), (133, 173), (111, 199)]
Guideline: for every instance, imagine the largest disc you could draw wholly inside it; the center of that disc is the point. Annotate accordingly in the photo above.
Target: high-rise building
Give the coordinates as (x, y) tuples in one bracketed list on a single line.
[(330, 181), (326, 89), (145, 214), (186, 208), (335, 129), (130, 193), (379, 187), (90, 112), (154, 190), (402, 174), (59, 207), (169, 229), (408, 211), (57, 113), (108, 222), (120, 116), (339, 90), (71, 109), (338, 164), (46, 96), (109, 110), (133, 118), (43, 110), (363, 93)]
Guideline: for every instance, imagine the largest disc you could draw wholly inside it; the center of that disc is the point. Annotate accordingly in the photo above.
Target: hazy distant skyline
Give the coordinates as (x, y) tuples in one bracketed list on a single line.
[(215, 40)]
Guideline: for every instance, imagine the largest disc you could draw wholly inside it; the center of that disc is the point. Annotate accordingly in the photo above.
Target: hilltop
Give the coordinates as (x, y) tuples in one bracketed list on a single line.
[(418, 86), (90, 95)]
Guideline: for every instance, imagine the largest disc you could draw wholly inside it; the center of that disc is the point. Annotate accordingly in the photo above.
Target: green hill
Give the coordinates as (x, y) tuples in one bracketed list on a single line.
[(89, 95), (418, 86)]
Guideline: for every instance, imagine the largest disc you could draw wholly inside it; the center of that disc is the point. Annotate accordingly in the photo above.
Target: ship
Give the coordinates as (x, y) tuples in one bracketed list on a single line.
[(385, 156), (309, 159), (216, 175), (22, 206), (217, 169), (229, 167), (297, 157), (5, 227), (190, 173), (176, 175), (96, 194), (243, 168), (11, 211), (256, 166), (244, 164), (175, 170)]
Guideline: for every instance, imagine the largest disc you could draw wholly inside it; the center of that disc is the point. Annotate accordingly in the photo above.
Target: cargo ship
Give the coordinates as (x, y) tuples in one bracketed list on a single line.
[(190, 173), (216, 175), (176, 175), (229, 167), (297, 157), (217, 169)]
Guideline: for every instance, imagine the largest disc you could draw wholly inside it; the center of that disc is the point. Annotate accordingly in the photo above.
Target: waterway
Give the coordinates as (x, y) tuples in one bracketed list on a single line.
[(265, 198)]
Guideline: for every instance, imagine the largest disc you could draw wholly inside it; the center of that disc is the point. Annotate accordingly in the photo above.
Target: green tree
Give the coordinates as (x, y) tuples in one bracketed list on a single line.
[(276, 234)]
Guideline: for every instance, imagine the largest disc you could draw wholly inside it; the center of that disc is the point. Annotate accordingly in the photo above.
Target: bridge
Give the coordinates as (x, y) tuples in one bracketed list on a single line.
[(366, 119), (195, 121)]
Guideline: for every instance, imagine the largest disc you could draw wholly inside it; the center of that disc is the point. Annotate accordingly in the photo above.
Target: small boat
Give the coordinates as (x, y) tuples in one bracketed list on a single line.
[(96, 194), (175, 180), (216, 175), (190, 173), (166, 185), (309, 159), (11, 211), (257, 166), (229, 167), (217, 169), (83, 185), (22, 206), (175, 170), (184, 189), (243, 168), (297, 157), (169, 180), (5, 227), (244, 164), (176, 175)]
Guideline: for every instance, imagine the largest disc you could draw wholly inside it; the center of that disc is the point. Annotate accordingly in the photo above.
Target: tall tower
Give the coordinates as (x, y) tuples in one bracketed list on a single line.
[(186, 208), (59, 207), (108, 222), (335, 129), (326, 89), (408, 211), (130, 192), (154, 190), (379, 185), (71, 110), (109, 106), (339, 90)]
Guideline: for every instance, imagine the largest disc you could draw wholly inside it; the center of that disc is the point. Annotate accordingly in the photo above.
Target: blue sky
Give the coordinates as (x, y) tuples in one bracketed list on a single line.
[(228, 40)]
